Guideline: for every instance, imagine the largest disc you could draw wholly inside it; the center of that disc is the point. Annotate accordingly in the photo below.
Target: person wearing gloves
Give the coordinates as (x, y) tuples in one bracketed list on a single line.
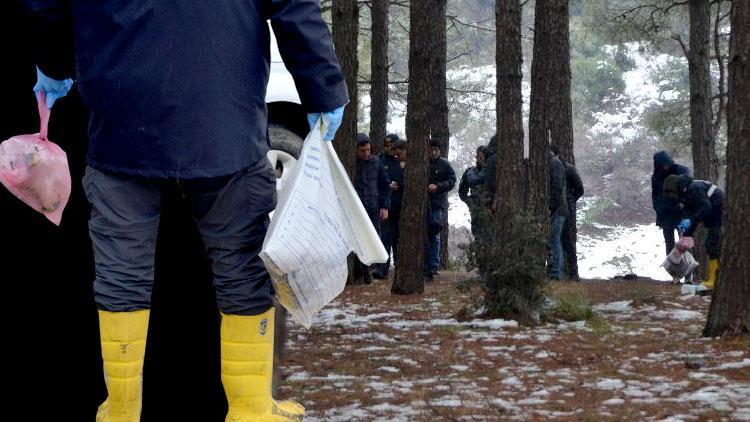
[(701, 202), (176, 97), (441, 179), (374, 189), (668, 213)]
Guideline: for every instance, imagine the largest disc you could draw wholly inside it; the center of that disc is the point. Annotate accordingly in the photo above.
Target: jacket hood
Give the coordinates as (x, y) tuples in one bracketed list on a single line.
[(662, 159)]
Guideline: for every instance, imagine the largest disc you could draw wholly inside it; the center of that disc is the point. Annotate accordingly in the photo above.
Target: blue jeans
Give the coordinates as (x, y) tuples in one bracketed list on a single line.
[(555, 265), (434, 229)]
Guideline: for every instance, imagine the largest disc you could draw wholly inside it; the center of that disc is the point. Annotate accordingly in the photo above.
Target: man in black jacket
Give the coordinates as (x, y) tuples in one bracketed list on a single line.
[(471, 192), (389, 230), (668, 214), (701, 202), (558, 208), (441, 179), (373, 187), (574, 191)]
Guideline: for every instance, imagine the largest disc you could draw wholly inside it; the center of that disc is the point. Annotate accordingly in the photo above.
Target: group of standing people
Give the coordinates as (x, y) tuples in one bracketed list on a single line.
[(477, 190), (379, 182), (683, 203)]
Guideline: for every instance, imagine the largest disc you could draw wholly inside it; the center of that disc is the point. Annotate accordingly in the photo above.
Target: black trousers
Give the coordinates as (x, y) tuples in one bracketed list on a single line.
[(668, 238)]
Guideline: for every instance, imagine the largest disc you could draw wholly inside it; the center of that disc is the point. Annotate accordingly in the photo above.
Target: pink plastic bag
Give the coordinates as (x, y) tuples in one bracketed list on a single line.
[(35, 169)]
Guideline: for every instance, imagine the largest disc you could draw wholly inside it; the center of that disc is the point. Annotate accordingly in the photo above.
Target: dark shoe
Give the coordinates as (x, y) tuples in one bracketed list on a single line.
[(367, 278), (379, 276)]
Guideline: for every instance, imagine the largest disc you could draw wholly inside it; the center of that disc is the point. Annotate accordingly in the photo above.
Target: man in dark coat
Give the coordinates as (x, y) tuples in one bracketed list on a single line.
[(574, 191), (176, 99), (389, 229), (668, 213), (374, 190), (701, 202), (471, 192), (441, 179), (489, 170), (558, 208)]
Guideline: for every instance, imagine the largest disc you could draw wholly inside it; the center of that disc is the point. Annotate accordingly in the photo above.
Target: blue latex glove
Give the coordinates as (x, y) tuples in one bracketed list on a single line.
[(52, 88), (684, 225), (333, 118)]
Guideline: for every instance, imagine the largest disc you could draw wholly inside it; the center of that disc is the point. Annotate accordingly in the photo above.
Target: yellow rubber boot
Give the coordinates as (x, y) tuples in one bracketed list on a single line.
[(123, 337), (247, 368), (713, 268)]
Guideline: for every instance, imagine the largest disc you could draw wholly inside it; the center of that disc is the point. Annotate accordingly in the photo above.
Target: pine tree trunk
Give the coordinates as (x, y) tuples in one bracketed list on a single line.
[(409, 267), (344, 28), (730, 308), (439, 128), (345, 25), (539, 124), (509, 173), (705, 161), (561, 106), (379, 74)]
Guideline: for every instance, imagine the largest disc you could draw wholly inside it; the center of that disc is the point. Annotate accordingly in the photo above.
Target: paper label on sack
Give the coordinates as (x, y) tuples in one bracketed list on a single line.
[(319, 220)]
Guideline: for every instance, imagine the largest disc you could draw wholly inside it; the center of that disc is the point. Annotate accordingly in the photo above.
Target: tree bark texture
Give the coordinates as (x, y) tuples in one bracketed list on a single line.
[(439, 127), (539, 122), (561, 105), (539, 114), (379, 73), (730, 308), (344, 28), (705, 161), (409, 266), (345, 25), (509, 101)]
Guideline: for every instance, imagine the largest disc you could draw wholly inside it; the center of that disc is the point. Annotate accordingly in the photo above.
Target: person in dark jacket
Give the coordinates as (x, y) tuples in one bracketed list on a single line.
[(574, 191), (701, 202), (490, 162), (389, 229), (668, 213), (441, 179), (558, 208), (374, 190), (176, 99), (471, 192)]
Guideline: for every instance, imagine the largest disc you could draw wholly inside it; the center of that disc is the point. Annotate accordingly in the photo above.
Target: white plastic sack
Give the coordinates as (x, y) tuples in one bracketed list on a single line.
[(319, 220), (680, 263)]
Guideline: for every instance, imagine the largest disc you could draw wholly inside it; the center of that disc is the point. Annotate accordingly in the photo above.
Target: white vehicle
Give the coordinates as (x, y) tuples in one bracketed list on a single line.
[(287, 120)]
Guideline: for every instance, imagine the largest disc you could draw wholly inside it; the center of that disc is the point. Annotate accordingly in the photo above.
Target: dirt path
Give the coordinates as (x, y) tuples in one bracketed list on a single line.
[(374, 356)]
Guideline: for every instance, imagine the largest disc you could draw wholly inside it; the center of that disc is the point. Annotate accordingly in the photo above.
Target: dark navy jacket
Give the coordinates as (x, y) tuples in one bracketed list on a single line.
[(176, 88), (573, 185), (471, 187), (441, 174), (372, 184), (668, 213), (392, 166), (702, 202)]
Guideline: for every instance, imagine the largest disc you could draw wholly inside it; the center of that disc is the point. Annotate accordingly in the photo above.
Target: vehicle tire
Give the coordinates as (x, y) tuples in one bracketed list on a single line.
[(286, 147), (285, 140)]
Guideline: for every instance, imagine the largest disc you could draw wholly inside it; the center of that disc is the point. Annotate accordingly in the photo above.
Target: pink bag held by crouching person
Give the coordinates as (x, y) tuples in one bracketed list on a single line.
[(35, 170)]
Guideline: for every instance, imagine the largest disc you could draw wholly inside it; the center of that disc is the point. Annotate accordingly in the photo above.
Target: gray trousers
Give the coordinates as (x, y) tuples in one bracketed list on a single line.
[(231, 213)]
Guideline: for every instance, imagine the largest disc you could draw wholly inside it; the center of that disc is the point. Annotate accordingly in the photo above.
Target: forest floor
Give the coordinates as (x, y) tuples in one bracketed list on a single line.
[(639, 355)]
